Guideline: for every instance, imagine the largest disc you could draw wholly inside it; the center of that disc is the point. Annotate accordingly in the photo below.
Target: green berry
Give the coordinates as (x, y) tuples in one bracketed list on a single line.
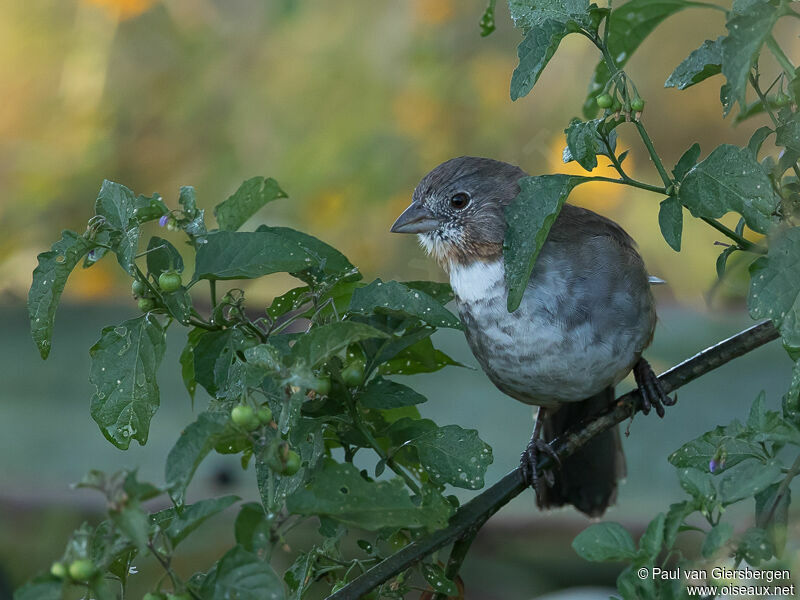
[(81, 569), (322, 385), (58, 570), (637, 104), (264, 415), (244, 416), (139, 288), (353, 374), (604, 101), (170, 281), (292, 464), (146, 304), (616, 106)]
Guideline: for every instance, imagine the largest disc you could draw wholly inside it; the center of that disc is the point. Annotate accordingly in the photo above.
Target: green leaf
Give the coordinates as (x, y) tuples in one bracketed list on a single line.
[(214, 353), (747, 480), (674, 520), (340, 492), (194, 443), (535, 51), (178, 304), (253, 194), (449, 454), (698, 484), (322, 342), (701, 64), (585, 141), (755, 546), (687, 160), (748, 28), (628, 26), (116, 203), (757, 139), (394, 298), (178, 525), (670, 220), (775, 286), (529, 217), (722, 260), (252, 529), (653, 538), (188, 201), (49, 279), (420, 357), (487, 20), (187, 361), (699, 452), (326, 262), (43, 587), (124, 364), (434, 575), (162, 256), (382, 393), (791, 400), (716, 538), (772, 514), (604, 542), (134, 523), (291, 300), (242, 575), (730, 179), (527, 14), (300, 575), (441, 292)]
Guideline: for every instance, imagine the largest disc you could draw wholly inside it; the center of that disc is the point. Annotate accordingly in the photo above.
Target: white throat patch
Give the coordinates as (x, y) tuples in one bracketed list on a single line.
[(477, 281)]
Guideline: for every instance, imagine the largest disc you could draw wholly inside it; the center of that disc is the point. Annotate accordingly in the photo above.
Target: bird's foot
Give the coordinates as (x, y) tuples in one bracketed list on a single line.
[(529, 463), (653, 395)]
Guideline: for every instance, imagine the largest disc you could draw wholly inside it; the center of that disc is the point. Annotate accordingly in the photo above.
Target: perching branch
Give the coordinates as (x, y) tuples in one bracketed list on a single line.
[(472, 515)]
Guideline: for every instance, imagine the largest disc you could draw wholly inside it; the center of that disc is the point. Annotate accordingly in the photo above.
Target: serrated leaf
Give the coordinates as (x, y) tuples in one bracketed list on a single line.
[(420, 357), (162, 256), (699, 452), (772, 514), (629, 25), (394, 298), (585, 141), (755, 546), (535, 51), (701, 64), (246, 201), (775, 286), (716, 538), (178, 525), (449, 454), (322, 342), (383, 393), (124, 362), (604, 542), (529, 217), (49, 279), (194, 443), (242, 575), (653, 538), (687, 160), (730, 179), (340, 492), (527, 14), (670, 220), (748, 29), (747, 480)]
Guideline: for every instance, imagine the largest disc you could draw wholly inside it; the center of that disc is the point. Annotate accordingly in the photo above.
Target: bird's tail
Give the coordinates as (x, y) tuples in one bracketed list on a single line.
[(588, 478)]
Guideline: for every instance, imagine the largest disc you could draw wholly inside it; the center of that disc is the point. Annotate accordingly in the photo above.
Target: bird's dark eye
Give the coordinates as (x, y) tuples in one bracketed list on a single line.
[(459, 200)]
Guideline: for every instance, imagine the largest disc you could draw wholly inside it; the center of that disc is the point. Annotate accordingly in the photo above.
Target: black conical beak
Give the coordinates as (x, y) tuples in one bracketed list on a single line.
[(415, 219)]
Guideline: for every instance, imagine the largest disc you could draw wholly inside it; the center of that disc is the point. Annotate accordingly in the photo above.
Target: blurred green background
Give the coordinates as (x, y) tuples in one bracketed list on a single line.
[(347, 105)]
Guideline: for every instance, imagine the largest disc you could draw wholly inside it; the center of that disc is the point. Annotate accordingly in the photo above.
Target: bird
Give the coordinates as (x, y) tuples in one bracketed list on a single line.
[(586, 316)]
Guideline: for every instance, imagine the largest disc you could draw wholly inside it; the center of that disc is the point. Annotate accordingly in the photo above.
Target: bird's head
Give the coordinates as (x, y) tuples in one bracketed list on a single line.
[(457, 209)]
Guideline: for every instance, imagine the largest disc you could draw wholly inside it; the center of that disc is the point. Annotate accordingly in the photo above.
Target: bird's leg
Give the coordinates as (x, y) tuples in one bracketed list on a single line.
[(653, 394), (530, 457)]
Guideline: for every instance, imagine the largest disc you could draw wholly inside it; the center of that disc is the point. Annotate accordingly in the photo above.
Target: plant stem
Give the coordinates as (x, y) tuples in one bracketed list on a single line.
[(768, 110), (630, 182), (475, 512), (457, 555), (793, 472), (781, 57), (743, 243), (653, 154), (212, 285)]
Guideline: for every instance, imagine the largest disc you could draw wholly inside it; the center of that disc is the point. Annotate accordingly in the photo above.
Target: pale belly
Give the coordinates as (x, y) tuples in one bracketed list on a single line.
[(544, 353)]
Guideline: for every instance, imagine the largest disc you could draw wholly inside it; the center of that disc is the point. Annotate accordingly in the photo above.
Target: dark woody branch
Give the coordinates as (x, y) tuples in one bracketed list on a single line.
[(472, 515)]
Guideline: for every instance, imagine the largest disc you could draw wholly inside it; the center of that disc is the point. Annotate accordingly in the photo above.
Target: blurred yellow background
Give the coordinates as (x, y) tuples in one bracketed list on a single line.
[(347, 105)]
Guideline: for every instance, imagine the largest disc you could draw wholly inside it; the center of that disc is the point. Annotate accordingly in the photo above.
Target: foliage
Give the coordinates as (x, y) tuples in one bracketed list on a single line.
[(315, 361), (733, 463)]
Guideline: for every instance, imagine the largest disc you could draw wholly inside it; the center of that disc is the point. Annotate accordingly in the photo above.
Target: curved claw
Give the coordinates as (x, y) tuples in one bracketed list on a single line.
[(653, 395)]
